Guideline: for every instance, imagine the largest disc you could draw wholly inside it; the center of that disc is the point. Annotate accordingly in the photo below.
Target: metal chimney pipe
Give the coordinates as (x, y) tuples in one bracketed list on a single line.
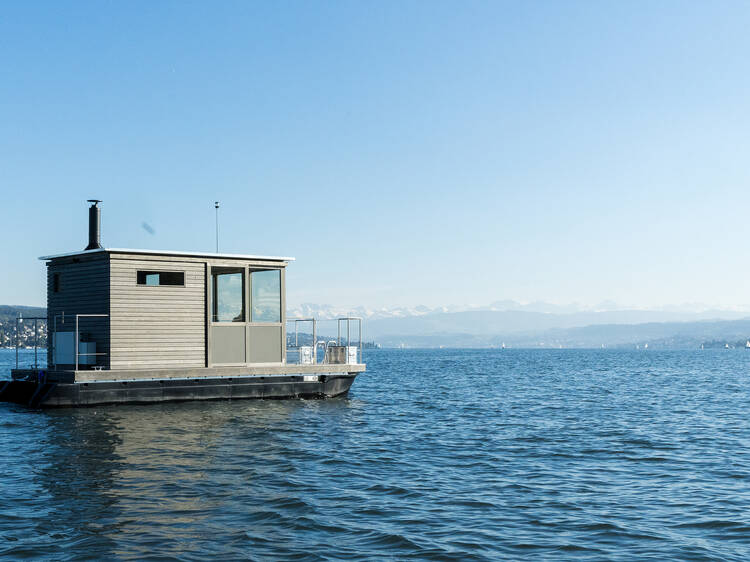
[(95, 220)]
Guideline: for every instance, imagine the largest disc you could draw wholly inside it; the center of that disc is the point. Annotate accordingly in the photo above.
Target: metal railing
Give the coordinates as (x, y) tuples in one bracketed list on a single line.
[(327, 344), (349, 320), (19, 321), (296, 335)]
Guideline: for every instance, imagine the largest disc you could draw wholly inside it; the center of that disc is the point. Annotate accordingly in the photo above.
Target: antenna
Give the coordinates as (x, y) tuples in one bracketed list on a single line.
[(216, 206)]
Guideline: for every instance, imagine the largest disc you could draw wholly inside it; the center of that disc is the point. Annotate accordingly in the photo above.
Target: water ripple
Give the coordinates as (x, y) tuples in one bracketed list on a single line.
[(445, 455)]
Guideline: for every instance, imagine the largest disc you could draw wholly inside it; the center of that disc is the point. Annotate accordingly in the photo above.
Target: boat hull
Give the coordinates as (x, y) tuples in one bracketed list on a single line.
[(44, 394)]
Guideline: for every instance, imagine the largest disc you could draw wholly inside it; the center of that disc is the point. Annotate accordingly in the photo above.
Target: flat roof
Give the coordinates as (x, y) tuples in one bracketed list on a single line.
[(167, 253)]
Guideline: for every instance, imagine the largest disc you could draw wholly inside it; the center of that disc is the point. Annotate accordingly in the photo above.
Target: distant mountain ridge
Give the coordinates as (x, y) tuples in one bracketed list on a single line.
[(515, 322), (655, 335), (542, 325)]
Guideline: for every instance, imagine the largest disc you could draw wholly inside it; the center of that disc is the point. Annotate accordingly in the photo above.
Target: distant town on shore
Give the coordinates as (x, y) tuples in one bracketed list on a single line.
[(9, 316)]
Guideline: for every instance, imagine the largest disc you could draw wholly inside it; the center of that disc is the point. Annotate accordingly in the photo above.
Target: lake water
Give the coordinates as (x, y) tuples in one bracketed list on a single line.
[(444, 454)]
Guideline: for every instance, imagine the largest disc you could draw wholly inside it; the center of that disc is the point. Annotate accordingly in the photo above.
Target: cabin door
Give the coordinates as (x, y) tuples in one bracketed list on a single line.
[(227, 316)]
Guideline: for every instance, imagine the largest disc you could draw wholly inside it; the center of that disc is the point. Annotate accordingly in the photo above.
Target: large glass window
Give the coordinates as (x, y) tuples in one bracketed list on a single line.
[(228, 286), (266, 296)]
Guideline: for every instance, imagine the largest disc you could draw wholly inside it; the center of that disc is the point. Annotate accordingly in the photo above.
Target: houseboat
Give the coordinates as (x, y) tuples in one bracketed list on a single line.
[(135, 326)]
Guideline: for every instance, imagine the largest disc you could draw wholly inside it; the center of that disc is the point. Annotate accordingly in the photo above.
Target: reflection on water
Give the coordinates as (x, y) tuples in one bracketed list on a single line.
[(173, 472), (435, 454)]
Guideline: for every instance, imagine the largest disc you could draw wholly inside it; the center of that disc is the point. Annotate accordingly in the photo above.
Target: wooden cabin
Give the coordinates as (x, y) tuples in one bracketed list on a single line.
[(165, 309)]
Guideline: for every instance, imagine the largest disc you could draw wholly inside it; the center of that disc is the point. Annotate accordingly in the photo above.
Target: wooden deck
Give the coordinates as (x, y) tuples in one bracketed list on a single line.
[(89, 375)]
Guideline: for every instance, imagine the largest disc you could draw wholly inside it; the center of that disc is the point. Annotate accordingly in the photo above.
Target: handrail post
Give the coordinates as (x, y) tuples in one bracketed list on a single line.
[(36, 339), (315, 344), (75, 343), (53, 343), (17, 340)]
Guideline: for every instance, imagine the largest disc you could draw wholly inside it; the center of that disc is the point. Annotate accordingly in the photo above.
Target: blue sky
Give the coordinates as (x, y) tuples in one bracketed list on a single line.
[(404, 152)]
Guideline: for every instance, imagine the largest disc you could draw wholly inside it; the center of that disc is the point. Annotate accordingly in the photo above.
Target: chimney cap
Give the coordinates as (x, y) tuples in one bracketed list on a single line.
[(94, 201)]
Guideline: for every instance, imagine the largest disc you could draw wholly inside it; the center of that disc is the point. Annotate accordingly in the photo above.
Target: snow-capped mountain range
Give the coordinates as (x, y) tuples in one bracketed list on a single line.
[(328, 311)]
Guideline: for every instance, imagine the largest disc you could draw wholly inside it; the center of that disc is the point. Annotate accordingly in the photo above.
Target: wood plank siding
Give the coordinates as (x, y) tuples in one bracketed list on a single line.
[(157, 326), (82, 288)]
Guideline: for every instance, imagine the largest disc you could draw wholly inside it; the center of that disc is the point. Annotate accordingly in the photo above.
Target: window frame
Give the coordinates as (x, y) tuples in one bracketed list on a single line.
[(147, 272), (213, 301), (252, 270)]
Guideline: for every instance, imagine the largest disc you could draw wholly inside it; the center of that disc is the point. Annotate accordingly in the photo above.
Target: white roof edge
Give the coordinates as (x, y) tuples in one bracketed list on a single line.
[(82, 252), (167, 253)]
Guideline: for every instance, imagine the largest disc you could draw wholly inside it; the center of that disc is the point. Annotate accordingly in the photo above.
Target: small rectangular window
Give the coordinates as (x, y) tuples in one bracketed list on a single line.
[(55, 282), (159, 278)]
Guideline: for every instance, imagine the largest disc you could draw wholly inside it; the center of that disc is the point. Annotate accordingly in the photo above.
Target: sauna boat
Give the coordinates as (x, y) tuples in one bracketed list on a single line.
[(138, 326)]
